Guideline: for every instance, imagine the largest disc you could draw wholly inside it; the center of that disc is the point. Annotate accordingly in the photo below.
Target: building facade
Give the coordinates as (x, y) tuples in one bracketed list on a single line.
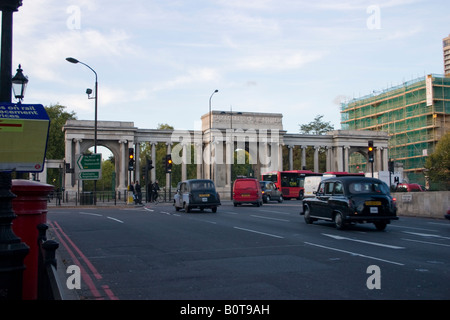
[(415, 115), (446, 49)]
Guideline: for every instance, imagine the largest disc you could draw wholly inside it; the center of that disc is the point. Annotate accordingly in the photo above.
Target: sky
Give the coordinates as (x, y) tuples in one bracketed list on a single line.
[(159, 61)]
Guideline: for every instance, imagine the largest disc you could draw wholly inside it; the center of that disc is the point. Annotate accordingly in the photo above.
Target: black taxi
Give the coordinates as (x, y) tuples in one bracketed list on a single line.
[(346, 200), (196, 193)]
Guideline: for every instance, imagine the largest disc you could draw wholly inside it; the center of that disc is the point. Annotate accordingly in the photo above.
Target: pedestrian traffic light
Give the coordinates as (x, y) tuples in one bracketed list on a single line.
[(130, 159), (168, 163), (370, 151)]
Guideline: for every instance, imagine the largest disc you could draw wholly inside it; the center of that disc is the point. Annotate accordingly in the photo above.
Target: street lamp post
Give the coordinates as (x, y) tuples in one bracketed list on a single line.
[(210, 137), (73, 60), (12, 249)]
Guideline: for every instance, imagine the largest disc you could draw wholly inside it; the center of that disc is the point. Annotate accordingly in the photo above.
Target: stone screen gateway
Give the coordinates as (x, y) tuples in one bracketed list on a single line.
[(23, 137)]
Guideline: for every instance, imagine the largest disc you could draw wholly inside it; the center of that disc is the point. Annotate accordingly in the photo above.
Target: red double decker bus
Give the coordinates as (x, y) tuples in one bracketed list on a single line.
[(291, 182)]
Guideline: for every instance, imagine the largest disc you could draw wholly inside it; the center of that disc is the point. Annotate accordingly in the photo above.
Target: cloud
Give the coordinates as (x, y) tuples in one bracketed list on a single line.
[(192, 75), (278, 60)]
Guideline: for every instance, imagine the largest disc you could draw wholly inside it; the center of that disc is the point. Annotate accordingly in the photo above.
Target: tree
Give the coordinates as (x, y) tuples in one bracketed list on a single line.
[(317, 126), (55, 145), (438, 163), (58, 117)]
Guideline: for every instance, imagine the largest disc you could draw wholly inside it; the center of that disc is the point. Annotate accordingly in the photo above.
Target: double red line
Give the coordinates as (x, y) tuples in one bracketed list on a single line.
[(87, 279)]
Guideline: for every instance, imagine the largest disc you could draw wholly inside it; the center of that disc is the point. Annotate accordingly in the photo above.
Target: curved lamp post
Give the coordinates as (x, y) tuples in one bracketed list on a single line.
[(88, 91)]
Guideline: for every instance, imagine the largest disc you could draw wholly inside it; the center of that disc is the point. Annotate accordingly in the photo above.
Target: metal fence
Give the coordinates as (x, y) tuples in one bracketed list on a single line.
[(104, 197)]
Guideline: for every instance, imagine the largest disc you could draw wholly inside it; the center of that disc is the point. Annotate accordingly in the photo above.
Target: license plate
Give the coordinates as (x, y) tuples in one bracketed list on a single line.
[(373, 209), (204, 195), (205, 199), (246, 195), (373, 203)]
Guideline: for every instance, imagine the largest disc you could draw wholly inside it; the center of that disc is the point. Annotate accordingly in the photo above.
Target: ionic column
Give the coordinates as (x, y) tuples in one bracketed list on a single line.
[(122, 169), (346, 159), (291, 157), (303, 156), (316, 159), (183, 162)]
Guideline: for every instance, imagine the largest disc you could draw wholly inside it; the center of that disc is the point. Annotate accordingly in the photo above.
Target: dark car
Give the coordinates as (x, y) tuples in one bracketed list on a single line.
[(447, 214), (196, 193), (270, 192), (346, 200)]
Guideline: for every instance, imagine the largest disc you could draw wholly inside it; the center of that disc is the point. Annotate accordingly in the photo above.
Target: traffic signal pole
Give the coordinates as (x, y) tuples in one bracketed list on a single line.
[(370, 154)]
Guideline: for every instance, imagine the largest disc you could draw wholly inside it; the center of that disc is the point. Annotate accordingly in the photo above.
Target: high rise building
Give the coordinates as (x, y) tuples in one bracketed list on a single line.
[(415, 114), (446, 48)]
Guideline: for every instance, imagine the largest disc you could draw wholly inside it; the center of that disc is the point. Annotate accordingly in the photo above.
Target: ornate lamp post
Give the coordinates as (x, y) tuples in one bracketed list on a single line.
[(19, 84), (12, 250)]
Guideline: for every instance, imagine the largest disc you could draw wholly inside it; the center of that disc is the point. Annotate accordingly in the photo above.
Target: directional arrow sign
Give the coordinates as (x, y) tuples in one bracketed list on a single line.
[(89, 175), (362, 241), (89, 161), (88, 166)]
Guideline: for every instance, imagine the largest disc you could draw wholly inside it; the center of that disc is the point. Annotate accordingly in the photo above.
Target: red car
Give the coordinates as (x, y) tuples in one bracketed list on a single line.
[(409, 187), (247, 190)]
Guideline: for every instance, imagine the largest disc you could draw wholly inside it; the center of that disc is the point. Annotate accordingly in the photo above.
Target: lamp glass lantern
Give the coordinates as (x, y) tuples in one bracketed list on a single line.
[(19, 84)]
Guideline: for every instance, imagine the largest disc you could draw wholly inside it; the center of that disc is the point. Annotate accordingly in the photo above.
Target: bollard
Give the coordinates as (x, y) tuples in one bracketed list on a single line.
[(30, 206)]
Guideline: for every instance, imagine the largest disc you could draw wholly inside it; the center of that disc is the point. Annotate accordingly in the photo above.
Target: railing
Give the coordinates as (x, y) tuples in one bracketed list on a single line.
[(49, 287), (103, 197)]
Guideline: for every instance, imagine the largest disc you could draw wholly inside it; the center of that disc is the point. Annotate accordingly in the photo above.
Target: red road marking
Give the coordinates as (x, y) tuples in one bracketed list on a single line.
[(87, 279)]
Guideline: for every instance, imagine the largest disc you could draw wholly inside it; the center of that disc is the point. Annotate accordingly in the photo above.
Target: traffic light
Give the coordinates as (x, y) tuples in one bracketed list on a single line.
[(149, 165), (370, 151), (168, 163), (130, 159)]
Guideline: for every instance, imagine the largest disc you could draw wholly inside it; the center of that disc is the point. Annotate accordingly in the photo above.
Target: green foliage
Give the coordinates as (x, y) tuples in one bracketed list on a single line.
[(438, 163), (317, 126), (58, 117)]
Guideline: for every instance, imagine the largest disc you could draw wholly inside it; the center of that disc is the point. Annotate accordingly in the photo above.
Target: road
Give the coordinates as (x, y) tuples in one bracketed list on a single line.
[(247, 253)]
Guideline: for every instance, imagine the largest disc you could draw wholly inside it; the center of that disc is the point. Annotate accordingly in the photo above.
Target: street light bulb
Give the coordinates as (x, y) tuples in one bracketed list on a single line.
[(72, 60)]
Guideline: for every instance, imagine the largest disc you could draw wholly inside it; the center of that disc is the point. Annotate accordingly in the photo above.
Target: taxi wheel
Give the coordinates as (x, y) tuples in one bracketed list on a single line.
[(307, 214), (339, 221), (380, 225)]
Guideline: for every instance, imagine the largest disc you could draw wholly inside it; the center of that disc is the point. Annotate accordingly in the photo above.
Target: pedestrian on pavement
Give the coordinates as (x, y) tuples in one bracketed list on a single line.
[(155, 190), (138, 192)]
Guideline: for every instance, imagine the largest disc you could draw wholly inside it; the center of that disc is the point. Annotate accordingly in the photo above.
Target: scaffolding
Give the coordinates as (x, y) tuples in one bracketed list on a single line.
[(415, 115)]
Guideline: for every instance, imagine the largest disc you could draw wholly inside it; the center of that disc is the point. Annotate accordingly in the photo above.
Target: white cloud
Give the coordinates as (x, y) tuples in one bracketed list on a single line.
[(279, 60)]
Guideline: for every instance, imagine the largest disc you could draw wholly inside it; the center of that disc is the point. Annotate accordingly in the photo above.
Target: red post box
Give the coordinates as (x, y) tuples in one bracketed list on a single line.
[(30, 206)]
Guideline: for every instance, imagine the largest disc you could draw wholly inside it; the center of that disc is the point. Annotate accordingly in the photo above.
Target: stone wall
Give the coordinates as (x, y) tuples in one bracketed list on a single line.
[(432, 204)]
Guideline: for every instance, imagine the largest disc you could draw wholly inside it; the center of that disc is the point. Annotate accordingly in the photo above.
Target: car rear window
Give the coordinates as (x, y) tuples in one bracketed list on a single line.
[(368, 187), (246, 185), (202, 185)]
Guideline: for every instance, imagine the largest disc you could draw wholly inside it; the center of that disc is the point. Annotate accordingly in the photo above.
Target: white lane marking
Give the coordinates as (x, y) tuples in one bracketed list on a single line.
[(426, 235), (273, 211), (254, 231), (115, 219), (427, 242), (91, 214), (354, 253), (362, 241), (284, 220)]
